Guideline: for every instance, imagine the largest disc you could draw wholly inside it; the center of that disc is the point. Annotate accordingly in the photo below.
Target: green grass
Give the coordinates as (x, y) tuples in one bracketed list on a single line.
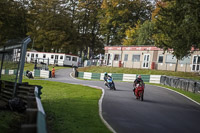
[(194, 96), (71, 108), (102, 69), (8, 77), (10, 121)]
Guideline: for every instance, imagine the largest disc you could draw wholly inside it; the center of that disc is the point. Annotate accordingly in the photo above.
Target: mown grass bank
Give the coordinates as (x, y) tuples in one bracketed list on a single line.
[(71, 108), (102, 69), (10, 122)]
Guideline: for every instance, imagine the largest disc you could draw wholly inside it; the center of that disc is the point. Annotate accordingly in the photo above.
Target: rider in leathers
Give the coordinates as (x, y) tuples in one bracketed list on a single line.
[(137, 81), (105, 79)]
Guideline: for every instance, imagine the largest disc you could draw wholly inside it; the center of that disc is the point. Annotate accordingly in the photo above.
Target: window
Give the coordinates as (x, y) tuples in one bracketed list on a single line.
[(61, 57), (196, 63), (74, 58), (44, 55), (32, 55), (170, 59), (126, 57), (52, 56), (160, 59), (136, 58), (27, 54), (117, 57), (68, 58), (36, 55)]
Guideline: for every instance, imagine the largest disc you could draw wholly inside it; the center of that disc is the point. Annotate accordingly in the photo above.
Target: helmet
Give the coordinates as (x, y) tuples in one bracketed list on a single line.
[(105, 73), (139, 76)]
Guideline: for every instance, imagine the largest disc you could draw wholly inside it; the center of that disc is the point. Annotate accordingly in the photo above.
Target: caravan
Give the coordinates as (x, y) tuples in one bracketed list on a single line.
[(59, 59)]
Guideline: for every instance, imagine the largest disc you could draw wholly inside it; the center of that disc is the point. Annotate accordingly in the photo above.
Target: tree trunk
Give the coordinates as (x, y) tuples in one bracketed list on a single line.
[(176, 65)]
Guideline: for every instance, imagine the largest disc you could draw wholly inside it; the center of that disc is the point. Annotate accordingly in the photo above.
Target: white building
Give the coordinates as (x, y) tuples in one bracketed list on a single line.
[(149, 57), (59, 59)]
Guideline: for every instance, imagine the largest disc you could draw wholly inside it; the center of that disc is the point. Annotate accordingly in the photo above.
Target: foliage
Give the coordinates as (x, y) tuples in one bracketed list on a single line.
[(71, 108), (12, 22), (10, 121), (177, 25), (118, 15), (141, 34)]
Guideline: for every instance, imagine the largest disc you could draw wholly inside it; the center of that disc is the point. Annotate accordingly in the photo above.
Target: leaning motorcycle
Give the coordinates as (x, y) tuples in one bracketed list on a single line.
[(139, 91), (110, 84)]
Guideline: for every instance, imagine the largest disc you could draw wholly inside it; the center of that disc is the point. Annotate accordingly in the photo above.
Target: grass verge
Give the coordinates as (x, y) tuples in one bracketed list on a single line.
[(71, 108), (10, 122), (102, 69)]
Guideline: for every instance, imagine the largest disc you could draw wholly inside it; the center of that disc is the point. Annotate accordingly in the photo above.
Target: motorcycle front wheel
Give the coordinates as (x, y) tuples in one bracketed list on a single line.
[(141, 95)]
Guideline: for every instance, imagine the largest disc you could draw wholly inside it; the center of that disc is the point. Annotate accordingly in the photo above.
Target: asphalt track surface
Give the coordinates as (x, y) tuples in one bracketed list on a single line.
[(162, 111)]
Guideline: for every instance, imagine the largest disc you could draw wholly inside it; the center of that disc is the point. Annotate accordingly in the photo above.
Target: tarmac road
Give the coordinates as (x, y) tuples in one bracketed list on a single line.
[(162, 111)]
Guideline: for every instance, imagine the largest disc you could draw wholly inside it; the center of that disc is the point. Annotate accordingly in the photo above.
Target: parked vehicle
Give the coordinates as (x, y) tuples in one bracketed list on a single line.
[(139, 91), (59, 59)]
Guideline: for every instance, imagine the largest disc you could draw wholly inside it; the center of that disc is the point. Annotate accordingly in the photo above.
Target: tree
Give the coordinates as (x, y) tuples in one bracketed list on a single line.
[(48, 25), (177, 25), (12, 20), (118, 15), (140, 35)]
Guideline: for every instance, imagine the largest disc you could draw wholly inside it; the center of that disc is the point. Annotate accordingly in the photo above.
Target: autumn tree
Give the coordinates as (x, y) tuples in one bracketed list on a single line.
[(118, 15), (141, 34)]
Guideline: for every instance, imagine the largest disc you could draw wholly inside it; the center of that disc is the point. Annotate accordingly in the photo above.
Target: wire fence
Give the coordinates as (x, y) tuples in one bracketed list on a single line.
[(10, 63)]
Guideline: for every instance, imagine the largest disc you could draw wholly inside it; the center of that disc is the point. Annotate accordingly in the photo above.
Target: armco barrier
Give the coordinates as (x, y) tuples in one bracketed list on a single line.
[(155, 79), (36, 73), (181, 83), (35, 116), (120, 77), (129, 77), (41, 73)]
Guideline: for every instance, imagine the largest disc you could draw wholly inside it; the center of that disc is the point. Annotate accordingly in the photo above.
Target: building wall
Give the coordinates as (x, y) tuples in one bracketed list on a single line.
[(168, 62)]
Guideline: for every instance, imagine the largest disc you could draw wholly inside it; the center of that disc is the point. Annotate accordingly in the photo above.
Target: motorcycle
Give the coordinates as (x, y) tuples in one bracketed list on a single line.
[(29, 74), (110, 84), (139, 91)]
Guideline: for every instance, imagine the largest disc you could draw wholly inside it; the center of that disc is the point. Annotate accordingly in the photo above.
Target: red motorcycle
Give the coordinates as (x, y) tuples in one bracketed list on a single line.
[(139, 91)]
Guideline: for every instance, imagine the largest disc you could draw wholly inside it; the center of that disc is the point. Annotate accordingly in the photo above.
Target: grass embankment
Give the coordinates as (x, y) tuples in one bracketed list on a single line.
[(10, 122), (71, 108), (102, 69)]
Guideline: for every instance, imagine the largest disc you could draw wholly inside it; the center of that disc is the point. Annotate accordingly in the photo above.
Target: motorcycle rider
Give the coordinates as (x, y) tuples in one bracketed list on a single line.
[(137, 81), (106, 76)]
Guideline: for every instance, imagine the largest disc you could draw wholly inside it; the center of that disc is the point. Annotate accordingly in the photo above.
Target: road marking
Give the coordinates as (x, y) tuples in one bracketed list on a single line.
[(73, 77)]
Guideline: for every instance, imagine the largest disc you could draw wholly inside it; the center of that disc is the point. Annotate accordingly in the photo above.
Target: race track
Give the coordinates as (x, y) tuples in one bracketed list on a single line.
[(162, 111)]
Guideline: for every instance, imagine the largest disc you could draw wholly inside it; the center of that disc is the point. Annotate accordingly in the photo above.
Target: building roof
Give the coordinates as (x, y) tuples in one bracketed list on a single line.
[(132, 48)]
